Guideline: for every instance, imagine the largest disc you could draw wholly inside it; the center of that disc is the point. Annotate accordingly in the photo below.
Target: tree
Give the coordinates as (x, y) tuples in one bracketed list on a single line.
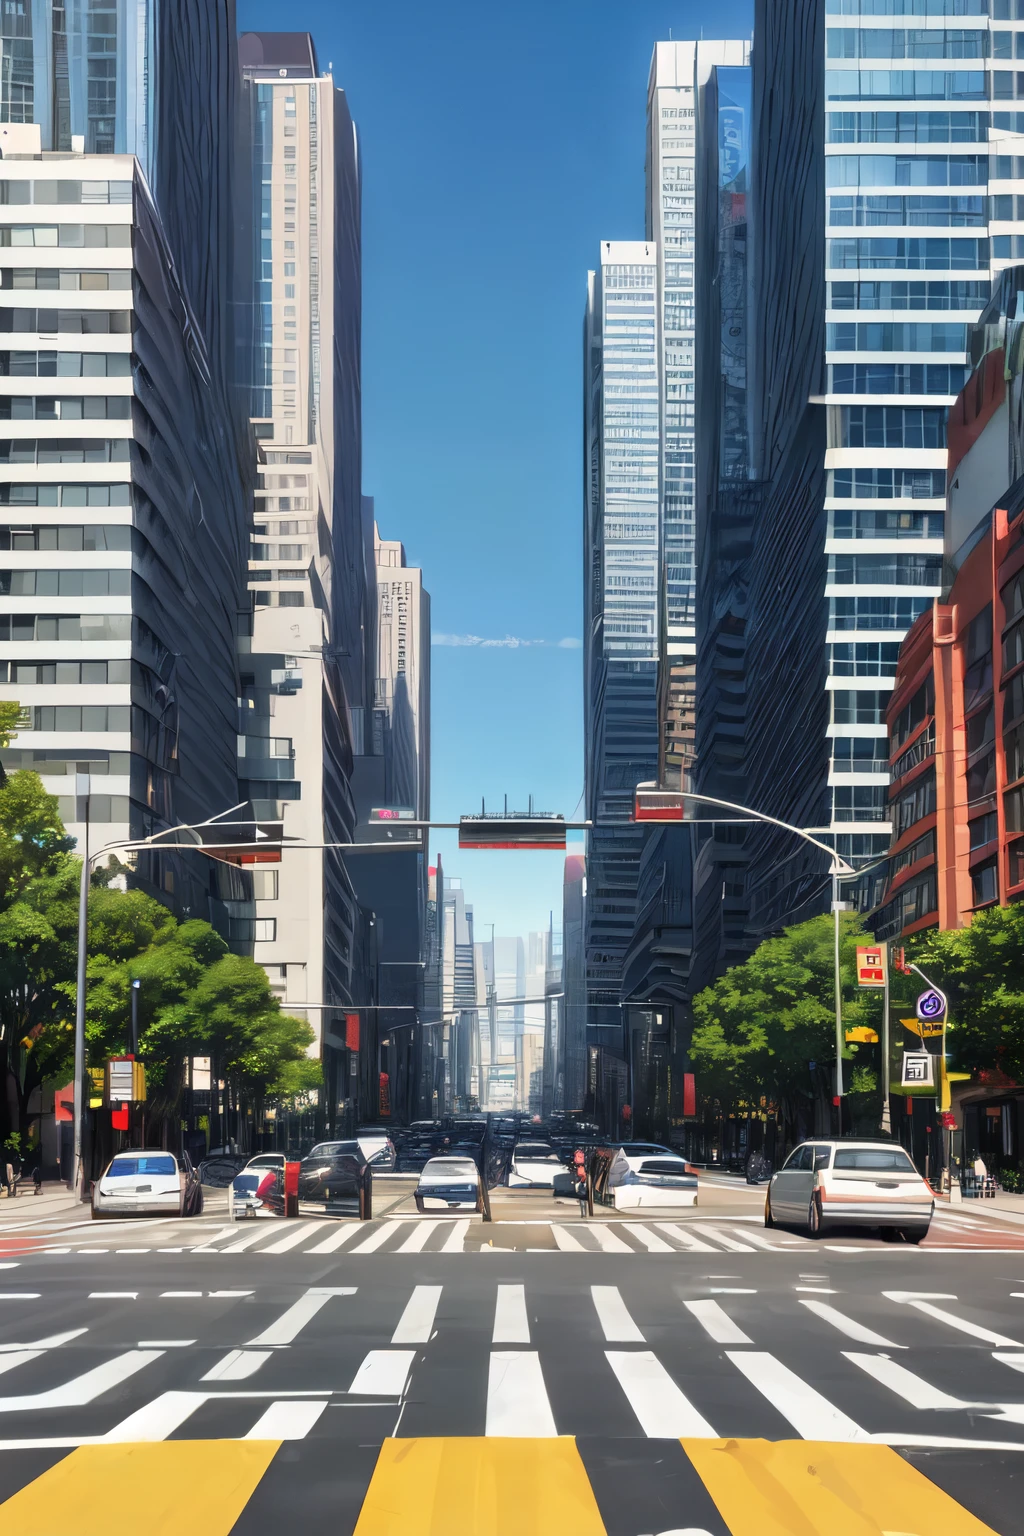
[(195, 997), (981, 969), (761, 1026)]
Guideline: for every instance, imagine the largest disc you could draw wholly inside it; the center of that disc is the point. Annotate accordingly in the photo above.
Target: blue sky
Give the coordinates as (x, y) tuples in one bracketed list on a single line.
[(500, 144)]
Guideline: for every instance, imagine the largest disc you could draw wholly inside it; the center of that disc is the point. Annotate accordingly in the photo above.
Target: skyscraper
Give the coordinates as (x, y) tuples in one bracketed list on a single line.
[(678, 73), (621, 603), (124, 522), (305, 670)]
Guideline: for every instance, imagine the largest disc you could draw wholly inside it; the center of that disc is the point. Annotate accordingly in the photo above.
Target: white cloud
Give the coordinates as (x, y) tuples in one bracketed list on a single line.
[(509, 643)]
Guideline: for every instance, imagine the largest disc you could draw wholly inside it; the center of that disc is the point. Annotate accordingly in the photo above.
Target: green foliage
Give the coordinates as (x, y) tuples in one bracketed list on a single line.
[(981, 969), (196, 997), (10, 711), (760, 1025)]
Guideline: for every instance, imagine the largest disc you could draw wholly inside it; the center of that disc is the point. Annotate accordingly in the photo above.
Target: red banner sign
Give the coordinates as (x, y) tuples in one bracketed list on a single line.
[(385, 1094), (352, 1031)]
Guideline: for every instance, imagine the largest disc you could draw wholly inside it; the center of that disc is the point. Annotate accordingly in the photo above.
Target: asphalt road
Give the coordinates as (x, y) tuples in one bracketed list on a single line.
[(836, 1387)]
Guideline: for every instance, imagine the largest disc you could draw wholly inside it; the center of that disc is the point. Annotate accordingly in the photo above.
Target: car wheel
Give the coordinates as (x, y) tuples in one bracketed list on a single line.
[(814, 1218), (769, 1219)]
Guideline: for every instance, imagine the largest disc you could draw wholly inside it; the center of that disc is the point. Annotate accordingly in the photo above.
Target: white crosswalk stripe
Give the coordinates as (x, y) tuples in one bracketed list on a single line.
[(379, 1353)]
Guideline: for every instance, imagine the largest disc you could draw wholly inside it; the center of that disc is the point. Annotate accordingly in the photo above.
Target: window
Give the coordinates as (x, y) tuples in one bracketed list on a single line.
[(1013, 810), (911, 716), (923, 747), (922, 848), (894, 336), (1013, 596), (1013, 646), (1013, 699), (79, 717), (65, 626), (913, 253), (983, 830), (985, 883), (914, 803), (906, 84), (981, 729), (860, 802), (44, 673), (90, 536), (860, 754), (78, 408), (265, 884), (64, 450), (907, 127), (873, 1160), (896, 378), (76, 235), (873, 570), (65, 583), (66, 365), (866, 659), (981, 777), (1013, 744), (892, 426), (890, 484), (863, 706)]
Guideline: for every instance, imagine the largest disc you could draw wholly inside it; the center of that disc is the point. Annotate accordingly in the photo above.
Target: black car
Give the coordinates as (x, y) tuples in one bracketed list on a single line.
[(336, 1175)]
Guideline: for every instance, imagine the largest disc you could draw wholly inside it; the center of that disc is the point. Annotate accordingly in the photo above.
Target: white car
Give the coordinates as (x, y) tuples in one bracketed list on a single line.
[(449, 1184), (850, 1183), (138, 1183), (535, 1164), (643, 1174)]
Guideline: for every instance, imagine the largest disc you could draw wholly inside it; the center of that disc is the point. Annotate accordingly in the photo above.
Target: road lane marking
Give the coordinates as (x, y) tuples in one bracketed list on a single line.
[(156, 1420), (961, 1324), (219, 1295), (113, 1295), (455, 1242), (286, 1419), (607, 1241), (771, 1486), (651, 1241), (760, 1241), (511, 1324), (177, 1295), (847, 1325), (913, 1389), (291, 1239), (166, 1343), (54, 1341), (481, 1486), (374, 1240), (811, 1415), (383, 1373), (662, 1410), (18, 1357), (245, 1242), (85, 1388), (180, 1484), (517, 1401), (613, 1315), (727, 1242), (291, 1323), (683, 1238), (567, 1241), (336, 1239), (716, 1322), (418, 1237), (237, 1365), (216, 1237), (417, 1321)]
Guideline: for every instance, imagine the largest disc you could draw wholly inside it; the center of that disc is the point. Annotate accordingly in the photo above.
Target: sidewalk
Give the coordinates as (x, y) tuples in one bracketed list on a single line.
[(1003, 1206), (55, 1200)]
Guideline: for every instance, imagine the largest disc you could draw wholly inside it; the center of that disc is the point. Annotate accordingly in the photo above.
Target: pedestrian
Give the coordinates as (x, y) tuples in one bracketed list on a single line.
[(37, 1179), (9, 1179)]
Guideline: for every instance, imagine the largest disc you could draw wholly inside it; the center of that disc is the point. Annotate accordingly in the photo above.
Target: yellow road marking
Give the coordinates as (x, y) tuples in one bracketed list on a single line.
[(813, 1488), (163, 1487), (480, 1487)]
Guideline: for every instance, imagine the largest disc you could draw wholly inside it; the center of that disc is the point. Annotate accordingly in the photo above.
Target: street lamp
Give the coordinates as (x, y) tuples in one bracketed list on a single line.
[(155, 840), (669, 806)]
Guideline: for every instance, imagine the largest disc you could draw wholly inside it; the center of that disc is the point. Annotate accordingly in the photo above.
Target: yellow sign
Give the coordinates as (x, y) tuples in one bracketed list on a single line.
[(923, 1030), (862, 1035), (97, 1086)]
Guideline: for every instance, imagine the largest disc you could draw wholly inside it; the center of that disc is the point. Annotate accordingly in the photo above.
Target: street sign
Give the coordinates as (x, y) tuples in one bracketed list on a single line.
[(860, 1034), (653, 804), (918, 1070), (870, 965), (512, 831), (921, 1030), (126, 1080), (931, 1005), (392, 813)]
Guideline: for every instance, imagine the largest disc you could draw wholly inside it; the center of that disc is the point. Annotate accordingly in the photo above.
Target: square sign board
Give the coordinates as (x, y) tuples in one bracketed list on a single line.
[(918, 1070), (870, 965)]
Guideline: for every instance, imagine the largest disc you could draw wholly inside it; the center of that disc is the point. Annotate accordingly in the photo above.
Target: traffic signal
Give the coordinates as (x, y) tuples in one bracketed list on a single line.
[(512, 831)]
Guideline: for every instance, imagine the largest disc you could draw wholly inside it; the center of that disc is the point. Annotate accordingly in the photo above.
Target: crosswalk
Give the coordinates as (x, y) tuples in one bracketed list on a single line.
[(321, 1237), (519, 1382)]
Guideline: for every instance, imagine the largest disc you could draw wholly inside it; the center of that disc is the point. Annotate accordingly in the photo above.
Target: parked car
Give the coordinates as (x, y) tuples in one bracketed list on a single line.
[(449, 1184), (335, 1174), (256, 1191), (534, 1164), (631, 1175), (267, 1160), (825, 1184), (378, 1148), (147, 1183)]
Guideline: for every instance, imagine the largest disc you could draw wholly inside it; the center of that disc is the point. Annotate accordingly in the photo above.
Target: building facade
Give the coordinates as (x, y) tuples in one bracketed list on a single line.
[(124, 523), (304, 670), (621, 607)]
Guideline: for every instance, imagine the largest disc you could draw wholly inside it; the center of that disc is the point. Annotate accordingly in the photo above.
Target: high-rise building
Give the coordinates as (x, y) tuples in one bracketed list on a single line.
[(574, 973), (621, 604), (678, 73), (123, 521), (304, 672), (402, 685), (459, 999)]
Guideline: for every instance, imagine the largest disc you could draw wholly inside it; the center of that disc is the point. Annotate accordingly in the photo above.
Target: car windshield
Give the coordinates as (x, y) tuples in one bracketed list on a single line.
[(536, 1152), (450, 1168), (874, 1159), (336, 1149), (245, 1183), (132, 1167)]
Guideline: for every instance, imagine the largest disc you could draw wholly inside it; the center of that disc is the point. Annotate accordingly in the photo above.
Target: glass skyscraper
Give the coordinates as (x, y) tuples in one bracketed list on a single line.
[(921, 207), (621, 602)]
